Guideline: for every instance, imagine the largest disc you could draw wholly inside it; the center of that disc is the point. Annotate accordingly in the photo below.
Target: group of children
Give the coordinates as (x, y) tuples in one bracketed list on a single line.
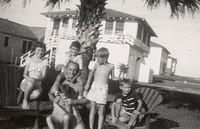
[(91, 88)]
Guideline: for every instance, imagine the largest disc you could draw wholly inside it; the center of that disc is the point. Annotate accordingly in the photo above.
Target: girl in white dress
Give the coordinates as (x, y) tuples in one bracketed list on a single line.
[(34, 72), (97, 93)]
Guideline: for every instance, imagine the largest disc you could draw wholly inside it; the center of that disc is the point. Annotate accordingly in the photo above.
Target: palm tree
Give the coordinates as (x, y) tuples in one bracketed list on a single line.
[(123, 71), (91, 11)]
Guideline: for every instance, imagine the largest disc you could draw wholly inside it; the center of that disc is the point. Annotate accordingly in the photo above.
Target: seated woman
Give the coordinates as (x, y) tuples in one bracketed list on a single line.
[(34, 73)]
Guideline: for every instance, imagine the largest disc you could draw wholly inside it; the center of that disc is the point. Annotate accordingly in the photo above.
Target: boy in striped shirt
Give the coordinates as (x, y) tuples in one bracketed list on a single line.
[(127, 104)]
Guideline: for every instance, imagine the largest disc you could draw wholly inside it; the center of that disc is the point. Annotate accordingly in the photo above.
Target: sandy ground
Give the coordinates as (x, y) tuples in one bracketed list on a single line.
[(178, 111)]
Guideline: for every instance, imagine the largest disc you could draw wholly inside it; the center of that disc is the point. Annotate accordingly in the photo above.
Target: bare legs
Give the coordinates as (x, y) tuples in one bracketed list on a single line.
[(29, 92), (50, 122), (92, 114), (93, 108), (115, 111), (101, 115), (65, 119), (28, 87), (64, 122)]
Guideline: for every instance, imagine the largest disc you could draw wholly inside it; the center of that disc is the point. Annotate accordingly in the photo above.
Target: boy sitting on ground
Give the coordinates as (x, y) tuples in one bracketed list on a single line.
[(127, 105)]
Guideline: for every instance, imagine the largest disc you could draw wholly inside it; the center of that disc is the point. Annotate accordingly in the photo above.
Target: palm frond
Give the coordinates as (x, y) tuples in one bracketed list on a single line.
[(5, 2), (177, 7), (53, 3)]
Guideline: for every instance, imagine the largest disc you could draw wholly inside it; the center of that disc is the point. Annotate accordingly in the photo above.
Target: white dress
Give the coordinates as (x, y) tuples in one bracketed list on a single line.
[(98, 93)]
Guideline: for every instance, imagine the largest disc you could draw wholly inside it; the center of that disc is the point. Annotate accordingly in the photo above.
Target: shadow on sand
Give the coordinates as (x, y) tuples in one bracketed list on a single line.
[(161, 123), (179, 100)]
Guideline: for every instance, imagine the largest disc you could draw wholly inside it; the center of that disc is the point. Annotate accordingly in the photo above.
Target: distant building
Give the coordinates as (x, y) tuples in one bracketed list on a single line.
[(15, 40), (160, 60), (126, 36), (171, 65)]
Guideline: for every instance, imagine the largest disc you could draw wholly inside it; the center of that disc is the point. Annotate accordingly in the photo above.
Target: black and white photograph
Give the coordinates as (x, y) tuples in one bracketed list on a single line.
[(99, 64)]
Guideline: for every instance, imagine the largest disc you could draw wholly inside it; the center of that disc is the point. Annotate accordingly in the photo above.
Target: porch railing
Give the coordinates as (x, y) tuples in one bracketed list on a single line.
[(49, 54)]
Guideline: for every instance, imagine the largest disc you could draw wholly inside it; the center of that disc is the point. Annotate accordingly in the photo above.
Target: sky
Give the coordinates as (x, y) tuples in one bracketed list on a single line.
[(181, 36)]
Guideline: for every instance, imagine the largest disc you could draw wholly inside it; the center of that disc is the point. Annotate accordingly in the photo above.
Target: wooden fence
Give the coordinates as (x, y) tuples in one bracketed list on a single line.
[(10, 78)]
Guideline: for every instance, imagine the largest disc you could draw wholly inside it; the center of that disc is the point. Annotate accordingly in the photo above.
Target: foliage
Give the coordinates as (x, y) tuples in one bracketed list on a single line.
[(178, 7), (123, 71), (90, 14)]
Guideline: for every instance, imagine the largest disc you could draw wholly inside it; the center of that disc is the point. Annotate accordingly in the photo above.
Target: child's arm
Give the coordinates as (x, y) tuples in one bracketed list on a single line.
[(137, 110), (112, 72), (91, 75)]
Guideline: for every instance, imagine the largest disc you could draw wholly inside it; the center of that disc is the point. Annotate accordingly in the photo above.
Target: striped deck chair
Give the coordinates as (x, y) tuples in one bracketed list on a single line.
[(151, 97)]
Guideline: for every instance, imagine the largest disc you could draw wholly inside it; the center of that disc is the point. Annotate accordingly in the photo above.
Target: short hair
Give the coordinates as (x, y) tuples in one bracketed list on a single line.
[(102, 52), (126, 81), (72, 62), (75, 44), (39, 44)]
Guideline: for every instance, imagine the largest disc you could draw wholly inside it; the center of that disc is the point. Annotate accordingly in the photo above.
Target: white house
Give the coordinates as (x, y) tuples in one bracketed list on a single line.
[(160, 60), (126, 36), (171, 65)]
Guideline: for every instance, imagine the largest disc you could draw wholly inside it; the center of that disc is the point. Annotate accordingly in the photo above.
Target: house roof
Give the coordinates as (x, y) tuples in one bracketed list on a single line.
[(13, 28), (154, 44), (39, 32), (109, 14), (173, 58)]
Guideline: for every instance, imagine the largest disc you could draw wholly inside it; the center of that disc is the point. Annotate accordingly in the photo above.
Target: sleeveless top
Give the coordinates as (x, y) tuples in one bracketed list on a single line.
[(35, 68)]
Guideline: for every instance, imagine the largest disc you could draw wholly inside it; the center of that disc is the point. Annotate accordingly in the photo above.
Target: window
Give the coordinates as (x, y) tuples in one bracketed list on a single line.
[(65, 22), (148, 40), (119, 27), (29, 45), (144, 36), (6, 41), (26, 45), (74, 23), (56, 24), (109, 27), (139, 33)]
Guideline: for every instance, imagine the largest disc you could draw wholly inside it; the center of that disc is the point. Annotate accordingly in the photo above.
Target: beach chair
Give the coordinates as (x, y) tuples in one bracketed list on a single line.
[(151, 98)]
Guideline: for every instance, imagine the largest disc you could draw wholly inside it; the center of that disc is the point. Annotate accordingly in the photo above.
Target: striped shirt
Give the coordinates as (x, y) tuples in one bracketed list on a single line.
[(130, 101)]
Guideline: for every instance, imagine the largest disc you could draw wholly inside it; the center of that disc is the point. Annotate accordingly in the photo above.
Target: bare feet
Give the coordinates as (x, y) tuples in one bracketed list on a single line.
[(25, 105)]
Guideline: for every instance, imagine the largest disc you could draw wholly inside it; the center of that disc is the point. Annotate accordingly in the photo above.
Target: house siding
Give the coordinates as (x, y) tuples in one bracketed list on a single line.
[(14, 49)]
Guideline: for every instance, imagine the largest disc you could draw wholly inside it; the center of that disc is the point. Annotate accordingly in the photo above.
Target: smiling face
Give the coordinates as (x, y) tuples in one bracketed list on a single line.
[(74, 51), (71, 70), (39, 52), (126, 88)]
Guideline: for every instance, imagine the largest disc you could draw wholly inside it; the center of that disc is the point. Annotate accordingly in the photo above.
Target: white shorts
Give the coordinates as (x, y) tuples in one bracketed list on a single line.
[(98, 93)]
